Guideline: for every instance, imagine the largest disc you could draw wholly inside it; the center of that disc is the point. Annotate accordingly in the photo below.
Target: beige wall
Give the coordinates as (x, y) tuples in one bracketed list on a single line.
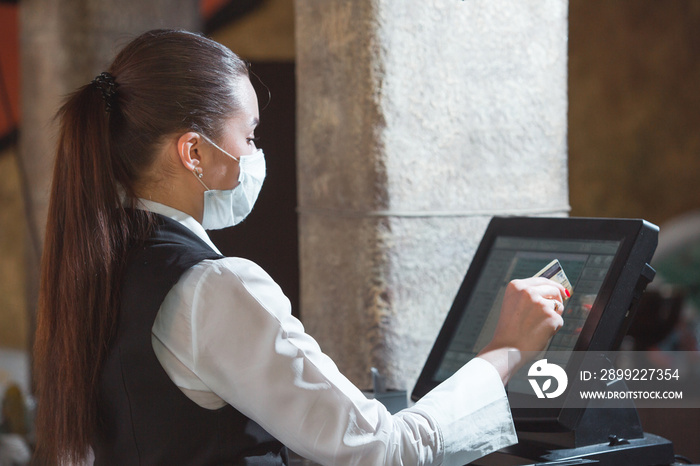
[(266, 34), (13, 320), (417, 122), (634, 95)]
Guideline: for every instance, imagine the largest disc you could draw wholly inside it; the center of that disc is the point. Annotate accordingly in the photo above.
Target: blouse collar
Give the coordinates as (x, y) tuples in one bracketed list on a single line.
[(179, 216)]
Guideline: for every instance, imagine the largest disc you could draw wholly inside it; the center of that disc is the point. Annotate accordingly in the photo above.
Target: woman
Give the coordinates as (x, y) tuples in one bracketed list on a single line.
[(152, 348)]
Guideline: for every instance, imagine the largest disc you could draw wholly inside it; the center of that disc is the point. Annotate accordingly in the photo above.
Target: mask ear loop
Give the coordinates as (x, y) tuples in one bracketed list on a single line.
[(214, 144), (197, 172)]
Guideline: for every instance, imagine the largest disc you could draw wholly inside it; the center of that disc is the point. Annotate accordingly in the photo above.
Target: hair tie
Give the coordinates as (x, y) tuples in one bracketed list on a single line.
[(108, 87)]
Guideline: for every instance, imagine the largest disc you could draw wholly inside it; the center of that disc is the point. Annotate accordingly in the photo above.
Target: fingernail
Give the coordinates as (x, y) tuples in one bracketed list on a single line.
[(568, 295)]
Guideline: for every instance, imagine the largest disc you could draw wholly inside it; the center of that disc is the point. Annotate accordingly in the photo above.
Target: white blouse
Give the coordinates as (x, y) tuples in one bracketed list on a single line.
[(225, 334)]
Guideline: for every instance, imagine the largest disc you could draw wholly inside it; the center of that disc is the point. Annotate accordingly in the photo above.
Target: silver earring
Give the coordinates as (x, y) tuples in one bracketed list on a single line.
[(198, 173)]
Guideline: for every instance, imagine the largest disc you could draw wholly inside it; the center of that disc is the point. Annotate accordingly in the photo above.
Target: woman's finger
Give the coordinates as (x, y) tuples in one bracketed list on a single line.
[(545, 287), (551, 290)]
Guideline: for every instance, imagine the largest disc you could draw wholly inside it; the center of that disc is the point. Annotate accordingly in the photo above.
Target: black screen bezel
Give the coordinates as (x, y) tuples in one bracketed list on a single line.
[(608, 320)]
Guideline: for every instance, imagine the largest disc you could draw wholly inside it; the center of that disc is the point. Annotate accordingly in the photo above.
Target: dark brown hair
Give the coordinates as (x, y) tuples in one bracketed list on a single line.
[(167, 82)]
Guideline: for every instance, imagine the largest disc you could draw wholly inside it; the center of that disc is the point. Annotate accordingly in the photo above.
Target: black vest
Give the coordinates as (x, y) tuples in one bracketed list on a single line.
[(144, 418)]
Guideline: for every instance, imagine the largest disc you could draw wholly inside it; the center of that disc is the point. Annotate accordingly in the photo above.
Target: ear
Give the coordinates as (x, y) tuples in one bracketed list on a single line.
[(188, 146)]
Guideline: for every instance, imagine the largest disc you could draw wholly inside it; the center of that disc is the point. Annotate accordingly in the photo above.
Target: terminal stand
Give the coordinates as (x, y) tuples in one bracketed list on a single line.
[(608, 434)]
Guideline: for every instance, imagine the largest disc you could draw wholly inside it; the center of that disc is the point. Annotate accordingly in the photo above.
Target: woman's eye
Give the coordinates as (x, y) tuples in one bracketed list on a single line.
[(253, 139)]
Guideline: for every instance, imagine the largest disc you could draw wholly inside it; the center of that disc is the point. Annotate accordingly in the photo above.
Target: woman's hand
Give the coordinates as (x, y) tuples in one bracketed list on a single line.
[(530, 316)]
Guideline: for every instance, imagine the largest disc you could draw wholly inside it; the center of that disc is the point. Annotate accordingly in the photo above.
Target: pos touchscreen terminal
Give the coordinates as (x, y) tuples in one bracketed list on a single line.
[(607, 263)]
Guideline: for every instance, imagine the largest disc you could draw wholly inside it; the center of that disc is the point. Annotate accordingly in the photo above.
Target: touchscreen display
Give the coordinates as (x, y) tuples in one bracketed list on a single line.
[(585, 262)]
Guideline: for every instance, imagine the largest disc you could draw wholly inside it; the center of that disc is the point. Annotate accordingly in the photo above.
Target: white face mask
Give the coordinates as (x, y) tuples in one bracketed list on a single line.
[(226, 208)]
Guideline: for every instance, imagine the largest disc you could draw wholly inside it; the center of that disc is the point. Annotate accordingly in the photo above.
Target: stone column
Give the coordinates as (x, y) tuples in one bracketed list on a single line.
[(63, 45), (417, 122)]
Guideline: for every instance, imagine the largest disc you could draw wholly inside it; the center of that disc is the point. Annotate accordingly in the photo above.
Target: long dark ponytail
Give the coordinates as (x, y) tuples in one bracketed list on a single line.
[(165, 82)]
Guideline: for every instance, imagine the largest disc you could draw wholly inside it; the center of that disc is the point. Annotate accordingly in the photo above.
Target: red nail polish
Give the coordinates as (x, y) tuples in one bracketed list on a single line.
[(568, 295)]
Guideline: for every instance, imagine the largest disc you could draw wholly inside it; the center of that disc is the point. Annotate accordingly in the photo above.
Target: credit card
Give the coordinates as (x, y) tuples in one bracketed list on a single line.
[(555, 272)]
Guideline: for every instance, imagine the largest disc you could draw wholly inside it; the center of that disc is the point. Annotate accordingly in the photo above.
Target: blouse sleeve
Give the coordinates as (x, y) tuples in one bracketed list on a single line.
[(236, 333)]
